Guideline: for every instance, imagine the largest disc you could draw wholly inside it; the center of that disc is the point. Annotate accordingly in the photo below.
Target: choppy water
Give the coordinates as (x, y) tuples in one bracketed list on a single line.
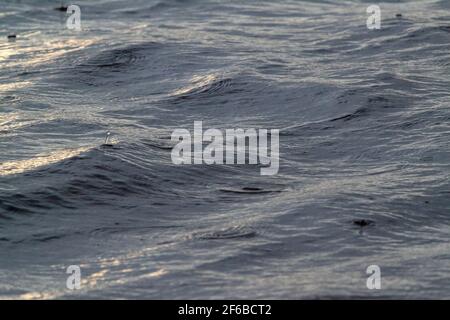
[(364, 134)]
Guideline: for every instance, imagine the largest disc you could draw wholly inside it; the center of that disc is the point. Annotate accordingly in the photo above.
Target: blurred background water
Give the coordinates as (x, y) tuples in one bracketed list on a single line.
[(364, 134)]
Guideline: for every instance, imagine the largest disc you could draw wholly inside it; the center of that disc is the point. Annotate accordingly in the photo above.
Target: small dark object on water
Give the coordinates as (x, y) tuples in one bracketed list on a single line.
[(363, 223), (251, 189), (107, 146), (61, 8), (12, 36), (399, 15)]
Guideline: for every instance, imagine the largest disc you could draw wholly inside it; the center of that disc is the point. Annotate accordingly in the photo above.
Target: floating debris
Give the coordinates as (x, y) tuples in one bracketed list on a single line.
[(61, 7), (250, 190), (363, 222)]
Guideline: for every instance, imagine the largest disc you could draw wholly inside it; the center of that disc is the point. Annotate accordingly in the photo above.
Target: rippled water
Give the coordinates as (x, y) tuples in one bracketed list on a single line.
[(364, 134)]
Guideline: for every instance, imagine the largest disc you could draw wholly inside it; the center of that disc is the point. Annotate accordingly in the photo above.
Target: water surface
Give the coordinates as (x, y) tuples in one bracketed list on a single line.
[(364, 134)]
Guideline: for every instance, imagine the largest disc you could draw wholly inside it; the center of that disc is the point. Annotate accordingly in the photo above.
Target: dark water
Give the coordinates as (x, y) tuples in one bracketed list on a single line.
[(364, 134)]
